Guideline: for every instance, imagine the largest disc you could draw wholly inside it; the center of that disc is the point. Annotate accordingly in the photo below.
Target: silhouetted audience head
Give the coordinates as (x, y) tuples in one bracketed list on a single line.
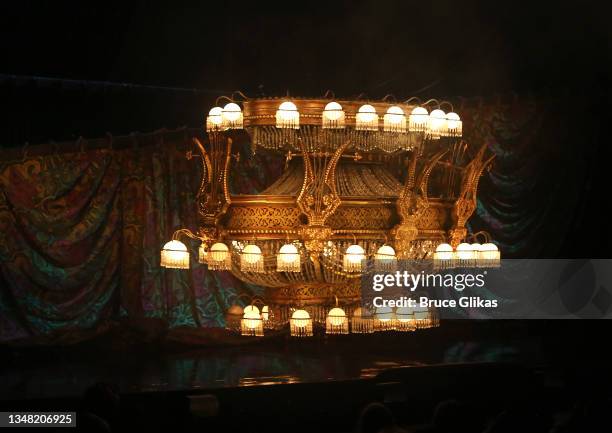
[(376, 418), (102, 400), (518, 420)]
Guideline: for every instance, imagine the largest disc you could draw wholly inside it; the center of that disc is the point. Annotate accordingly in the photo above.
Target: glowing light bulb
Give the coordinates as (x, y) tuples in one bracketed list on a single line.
[(437, 123), (252, 253), (214, 120), (419, 119), (366, 118), (336, 316), (454, 125), (232, 116), (287, 116), (395, 120), (174, 254), (251, 317)]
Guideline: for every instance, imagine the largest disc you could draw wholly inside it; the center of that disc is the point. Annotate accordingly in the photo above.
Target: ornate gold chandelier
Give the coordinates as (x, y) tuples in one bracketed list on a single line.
[(342, 199)]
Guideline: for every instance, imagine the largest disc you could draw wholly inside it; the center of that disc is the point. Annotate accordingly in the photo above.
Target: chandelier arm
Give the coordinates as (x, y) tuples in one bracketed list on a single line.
[(188, 233), (413, 98), (447, 103), (242, 95), (223, 98), (474, 236), (228, 158), (432, 101), (206, 165)]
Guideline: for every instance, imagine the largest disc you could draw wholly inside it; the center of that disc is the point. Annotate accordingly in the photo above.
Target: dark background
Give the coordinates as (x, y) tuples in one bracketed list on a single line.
[(430, 49), (143, 66)]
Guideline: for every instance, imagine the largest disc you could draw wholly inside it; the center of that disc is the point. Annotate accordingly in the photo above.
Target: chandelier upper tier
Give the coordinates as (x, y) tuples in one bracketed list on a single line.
[(366, 183)]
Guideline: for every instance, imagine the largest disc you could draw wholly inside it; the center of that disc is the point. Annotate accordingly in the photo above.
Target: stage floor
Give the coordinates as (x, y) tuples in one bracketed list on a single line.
[(288, 362)]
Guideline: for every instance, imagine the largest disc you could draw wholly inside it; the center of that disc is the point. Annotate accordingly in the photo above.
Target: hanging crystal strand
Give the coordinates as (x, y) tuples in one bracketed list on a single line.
[(362, 321)]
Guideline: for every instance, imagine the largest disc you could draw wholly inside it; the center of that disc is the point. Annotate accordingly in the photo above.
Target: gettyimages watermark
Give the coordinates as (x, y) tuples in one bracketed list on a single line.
[(518, 289)]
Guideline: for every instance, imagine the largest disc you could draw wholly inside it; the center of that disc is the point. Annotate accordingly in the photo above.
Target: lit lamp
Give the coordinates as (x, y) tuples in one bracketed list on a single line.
[(383, 319), (300, 324), (422, 317), (465, 255), (404, 319), (336, 322), (268, 317), (443, 257), (394, 120), (476, 249), (362, 322), (418, 120), (490, 256), (288, 259), (214, 120), (366, 118), (287, 116), (233, 318), (352, 258), (437, 123), (252, 322), (333, 116), (232, 117), (219, 258), (385, 259), (202, 253), (454, 125), (251, 259), (174, 255)]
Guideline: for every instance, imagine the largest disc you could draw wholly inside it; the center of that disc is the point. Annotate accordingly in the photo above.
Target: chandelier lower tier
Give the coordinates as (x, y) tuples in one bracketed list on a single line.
[(365, 184)]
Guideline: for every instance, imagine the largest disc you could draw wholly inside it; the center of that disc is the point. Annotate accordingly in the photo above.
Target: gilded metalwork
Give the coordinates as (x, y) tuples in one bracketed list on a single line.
[(318, 198), (341, 186), (465, 204), (213, 195), (412, 204)]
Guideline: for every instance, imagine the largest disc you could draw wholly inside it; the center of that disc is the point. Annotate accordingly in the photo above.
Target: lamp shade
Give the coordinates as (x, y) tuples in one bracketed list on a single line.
[(394, 120), (336, 322), (333, 116), (366, 118), (288, 259), (465, 255), (252, 322), (219, 257), (454, 125), (443, 256), (385, 259), (362, 321), (287, 116), (404, 319), (300, 324), (418, 120), (489, 255), (214, 120), (251, 259), (174, 254), (202, 253), (425, 317), (233, 317), (383, 319), (268, 317), (232, 116), (437, 123), (352, 258), (476, 252)]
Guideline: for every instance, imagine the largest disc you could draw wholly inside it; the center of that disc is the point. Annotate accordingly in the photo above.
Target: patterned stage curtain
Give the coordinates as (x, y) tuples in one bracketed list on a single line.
[(81, 229)]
